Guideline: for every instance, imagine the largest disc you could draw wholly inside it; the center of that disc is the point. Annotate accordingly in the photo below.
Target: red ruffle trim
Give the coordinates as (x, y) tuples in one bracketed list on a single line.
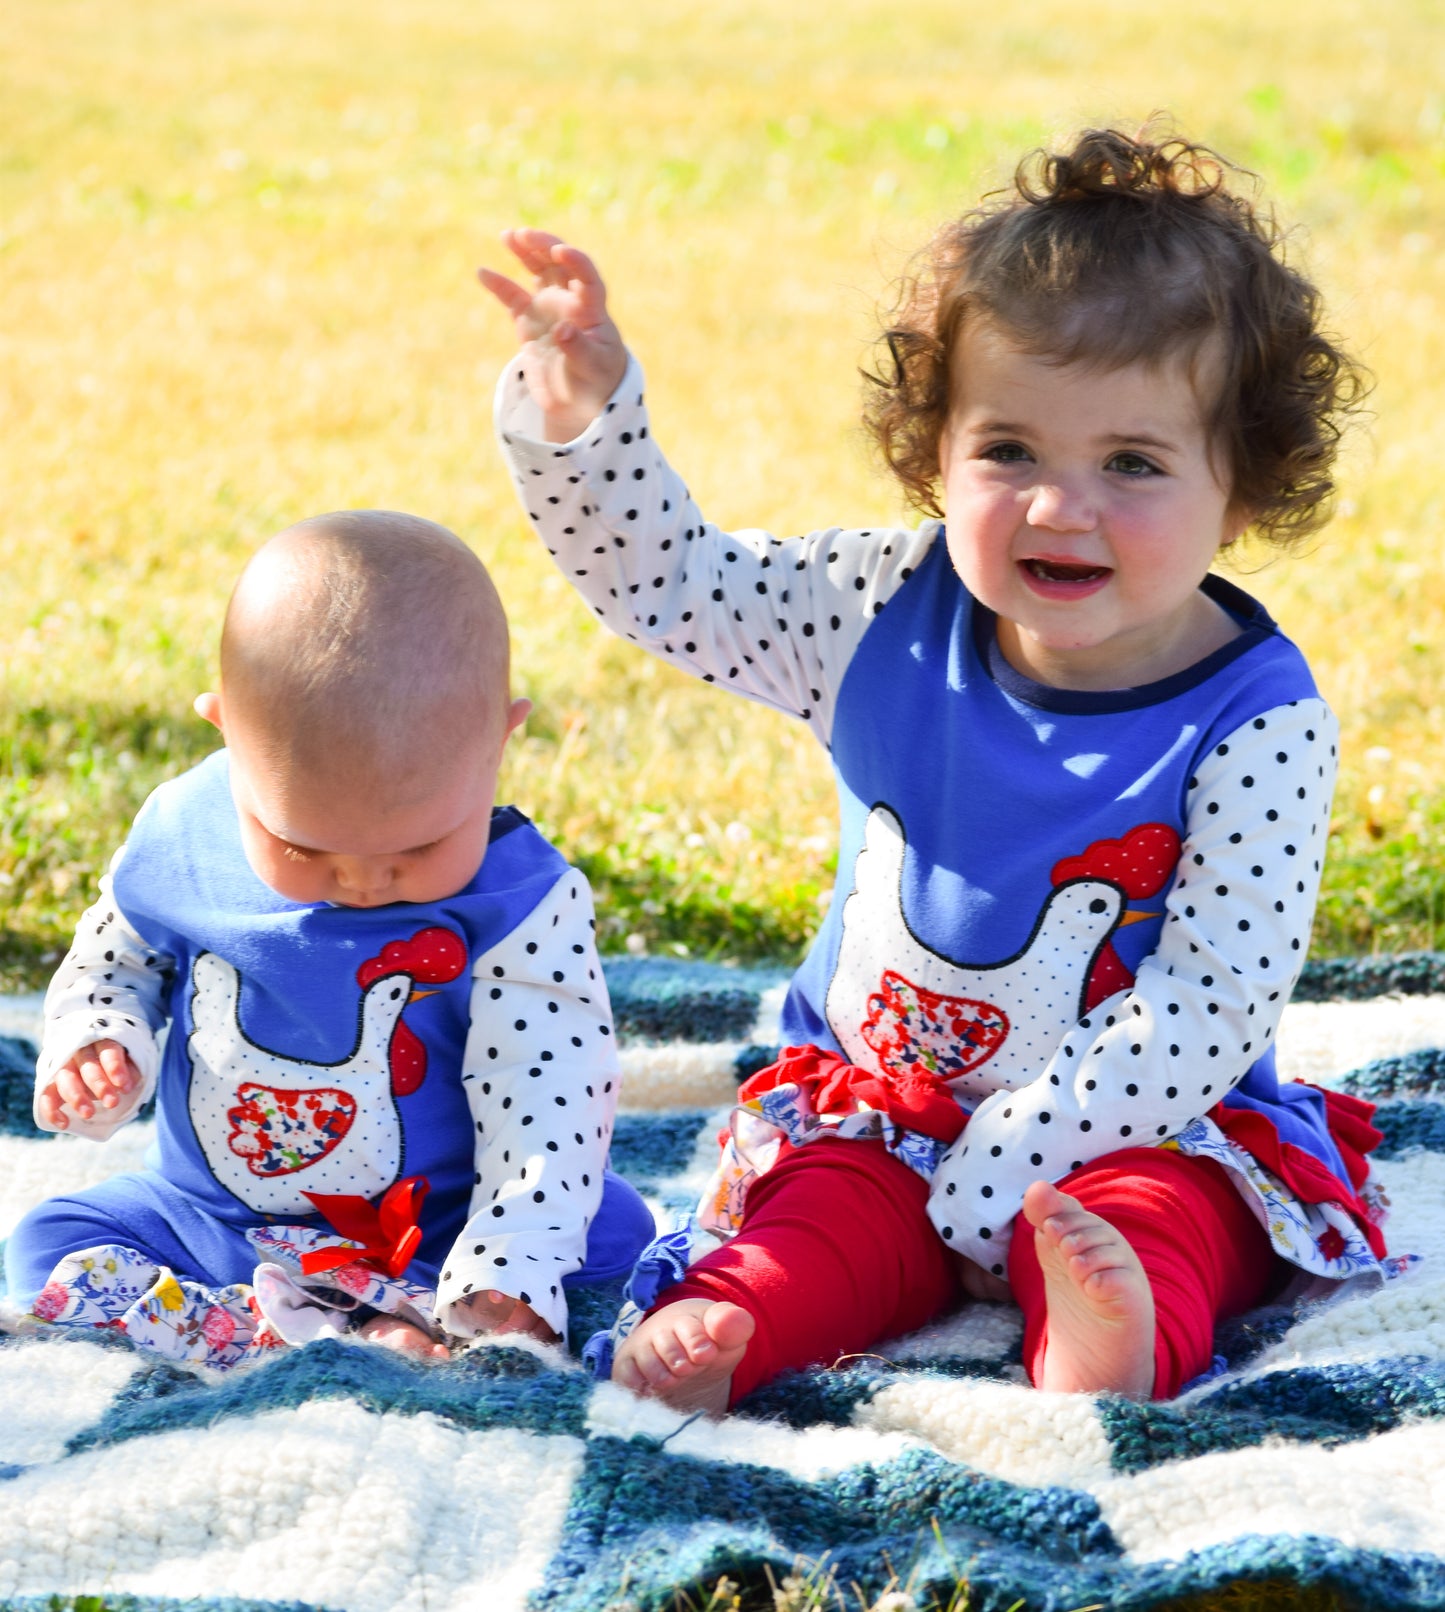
[(1305, 1176), (918, 1102), (922, 1102)]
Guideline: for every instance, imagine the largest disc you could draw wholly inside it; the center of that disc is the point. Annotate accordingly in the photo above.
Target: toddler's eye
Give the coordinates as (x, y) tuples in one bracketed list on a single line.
[(1006, 453), (1132, 464)]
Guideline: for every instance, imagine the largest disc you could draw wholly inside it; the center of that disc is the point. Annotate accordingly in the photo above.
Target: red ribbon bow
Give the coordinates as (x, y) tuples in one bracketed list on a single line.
[(385, 1236)]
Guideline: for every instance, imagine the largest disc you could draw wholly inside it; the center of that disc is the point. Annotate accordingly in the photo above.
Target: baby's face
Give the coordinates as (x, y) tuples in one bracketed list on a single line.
[(1084, 508), (313, 841)]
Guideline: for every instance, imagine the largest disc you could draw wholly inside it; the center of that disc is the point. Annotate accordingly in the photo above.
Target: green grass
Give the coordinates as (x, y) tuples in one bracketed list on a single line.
[(236, 243), (814, 1587)]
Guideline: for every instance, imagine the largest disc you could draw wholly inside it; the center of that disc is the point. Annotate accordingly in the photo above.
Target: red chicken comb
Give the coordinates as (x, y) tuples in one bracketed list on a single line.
[(431, 957), (1140, 864)]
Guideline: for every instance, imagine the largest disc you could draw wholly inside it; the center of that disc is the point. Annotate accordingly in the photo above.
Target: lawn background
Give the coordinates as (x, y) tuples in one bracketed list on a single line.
[(236, 247)]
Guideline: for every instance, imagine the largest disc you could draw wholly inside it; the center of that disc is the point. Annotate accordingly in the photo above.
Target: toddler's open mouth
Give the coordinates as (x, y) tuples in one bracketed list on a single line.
[(1056, 571)]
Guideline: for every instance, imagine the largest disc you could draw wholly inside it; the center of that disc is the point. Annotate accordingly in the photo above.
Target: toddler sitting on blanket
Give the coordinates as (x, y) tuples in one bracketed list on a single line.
[(1084, 788), (387, 1094)]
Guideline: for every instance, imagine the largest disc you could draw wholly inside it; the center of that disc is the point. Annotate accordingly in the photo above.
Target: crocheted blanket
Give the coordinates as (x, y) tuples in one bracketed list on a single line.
[(342, 1477)]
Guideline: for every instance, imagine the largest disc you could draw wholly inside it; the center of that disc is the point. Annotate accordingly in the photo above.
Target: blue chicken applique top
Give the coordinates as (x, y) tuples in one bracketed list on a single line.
[(1085, 911), (336, 1051)]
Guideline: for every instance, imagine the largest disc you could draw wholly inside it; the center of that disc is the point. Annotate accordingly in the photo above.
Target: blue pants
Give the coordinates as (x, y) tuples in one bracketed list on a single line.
[(145, 1212)]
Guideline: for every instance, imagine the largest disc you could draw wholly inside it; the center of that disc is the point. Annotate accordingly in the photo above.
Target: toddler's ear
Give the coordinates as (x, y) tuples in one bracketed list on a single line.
[(208, 708)]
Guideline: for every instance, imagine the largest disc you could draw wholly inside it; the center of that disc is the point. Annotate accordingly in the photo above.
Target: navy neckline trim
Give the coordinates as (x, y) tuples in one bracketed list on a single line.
[(504, 820), (1256, 621)]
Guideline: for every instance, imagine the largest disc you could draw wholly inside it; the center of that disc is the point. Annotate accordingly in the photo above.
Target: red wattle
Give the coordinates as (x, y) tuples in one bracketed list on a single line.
[(1109, 975), (408, 1061)]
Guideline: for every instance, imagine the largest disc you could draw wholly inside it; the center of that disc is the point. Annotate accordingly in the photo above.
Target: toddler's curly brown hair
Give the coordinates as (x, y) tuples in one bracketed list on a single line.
[(1125, 249)]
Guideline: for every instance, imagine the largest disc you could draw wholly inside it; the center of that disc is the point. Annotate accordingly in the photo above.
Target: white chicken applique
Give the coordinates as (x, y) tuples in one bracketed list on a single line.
[(897, 1006), (275, 1128)]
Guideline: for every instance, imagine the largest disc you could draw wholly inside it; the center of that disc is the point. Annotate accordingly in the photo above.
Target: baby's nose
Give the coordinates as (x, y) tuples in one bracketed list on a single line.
[(363, 876)]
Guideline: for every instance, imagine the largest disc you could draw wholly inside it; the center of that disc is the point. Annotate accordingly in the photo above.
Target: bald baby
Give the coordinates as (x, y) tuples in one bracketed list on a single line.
[(365, 708), (365, 704), (365, 640)]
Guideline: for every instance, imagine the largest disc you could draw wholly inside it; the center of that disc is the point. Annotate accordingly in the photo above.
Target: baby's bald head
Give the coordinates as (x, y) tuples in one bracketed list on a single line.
[(367, 648)]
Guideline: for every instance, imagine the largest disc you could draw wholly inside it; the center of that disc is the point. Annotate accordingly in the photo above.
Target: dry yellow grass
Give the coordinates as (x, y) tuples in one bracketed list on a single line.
[(236, 243)]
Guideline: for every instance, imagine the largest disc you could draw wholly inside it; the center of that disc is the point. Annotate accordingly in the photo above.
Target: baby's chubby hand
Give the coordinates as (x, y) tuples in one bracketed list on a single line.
[(99, 1073), (497, 1314), (572, 352)]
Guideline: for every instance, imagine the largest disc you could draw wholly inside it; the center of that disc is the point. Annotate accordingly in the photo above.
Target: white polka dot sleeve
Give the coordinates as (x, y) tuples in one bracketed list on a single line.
[(541, 1074), (1204, 1005), (775, 619), (110, 986)]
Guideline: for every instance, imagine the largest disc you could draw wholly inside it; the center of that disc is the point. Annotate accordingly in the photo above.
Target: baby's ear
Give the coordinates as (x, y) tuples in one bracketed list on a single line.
[(1236, 523), (208, 707)]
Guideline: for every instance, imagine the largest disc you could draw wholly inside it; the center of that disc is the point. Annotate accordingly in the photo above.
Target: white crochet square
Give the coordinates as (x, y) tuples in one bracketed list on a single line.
[(327, 1503)]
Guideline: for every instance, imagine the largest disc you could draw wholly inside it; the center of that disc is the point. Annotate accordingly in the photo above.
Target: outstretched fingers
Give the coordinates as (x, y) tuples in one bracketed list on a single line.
[(533, 250), (516, 299), (584, 283)]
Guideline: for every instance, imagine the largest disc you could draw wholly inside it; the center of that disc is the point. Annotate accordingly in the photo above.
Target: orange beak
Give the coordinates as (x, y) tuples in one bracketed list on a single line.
[(416, 996), (1132, 918)]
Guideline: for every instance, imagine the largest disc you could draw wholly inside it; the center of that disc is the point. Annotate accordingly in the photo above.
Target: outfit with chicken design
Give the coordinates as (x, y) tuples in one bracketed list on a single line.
[(1084, 912), (356, 1109)]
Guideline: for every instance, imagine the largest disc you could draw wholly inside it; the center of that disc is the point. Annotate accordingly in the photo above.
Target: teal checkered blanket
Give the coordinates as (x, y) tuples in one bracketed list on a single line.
[(342, 1477)]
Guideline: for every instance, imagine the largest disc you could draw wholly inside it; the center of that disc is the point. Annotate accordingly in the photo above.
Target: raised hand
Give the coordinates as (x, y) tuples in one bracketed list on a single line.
[(572, 353), (100, 1073)]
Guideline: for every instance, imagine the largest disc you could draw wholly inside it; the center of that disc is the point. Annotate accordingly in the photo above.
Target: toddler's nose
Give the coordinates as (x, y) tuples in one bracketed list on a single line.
[(1059, 506)]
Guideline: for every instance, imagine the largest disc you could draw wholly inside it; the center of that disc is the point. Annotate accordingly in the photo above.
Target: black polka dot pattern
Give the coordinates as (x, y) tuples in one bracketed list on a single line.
[(109, 986), (540, 1074), (1203, 1004), (542, 1083), (780, 621), (776, 620)]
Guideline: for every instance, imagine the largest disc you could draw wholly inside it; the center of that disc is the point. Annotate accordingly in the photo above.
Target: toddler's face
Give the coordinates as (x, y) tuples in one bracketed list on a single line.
[(1083, 508), (313, 842)]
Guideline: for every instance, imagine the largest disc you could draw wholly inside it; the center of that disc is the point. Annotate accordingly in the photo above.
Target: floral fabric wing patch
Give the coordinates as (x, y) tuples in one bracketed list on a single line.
[(911, 1027), (277, 1131)]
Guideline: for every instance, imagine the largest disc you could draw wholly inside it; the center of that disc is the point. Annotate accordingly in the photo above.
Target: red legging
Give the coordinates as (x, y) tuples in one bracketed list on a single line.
[(1205, 1253), (836, 1252)]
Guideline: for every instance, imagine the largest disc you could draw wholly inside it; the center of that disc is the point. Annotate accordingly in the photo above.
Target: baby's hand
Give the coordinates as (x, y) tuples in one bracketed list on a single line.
[(498, 1315), (573, 353), (100, 1073), (981, 1284)]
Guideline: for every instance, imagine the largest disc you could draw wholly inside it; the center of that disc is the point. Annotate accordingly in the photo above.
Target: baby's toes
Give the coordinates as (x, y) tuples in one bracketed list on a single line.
[(1090, 1251), (1073, 1231), (661, 1356), (694, 1344)]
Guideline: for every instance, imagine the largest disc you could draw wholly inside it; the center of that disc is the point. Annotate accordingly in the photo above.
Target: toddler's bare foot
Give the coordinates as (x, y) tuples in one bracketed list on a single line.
[(391, 1332), (1101, 1312), (685, 1354)]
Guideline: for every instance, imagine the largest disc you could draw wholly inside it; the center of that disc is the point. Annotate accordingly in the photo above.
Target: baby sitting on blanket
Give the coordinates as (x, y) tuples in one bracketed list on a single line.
[(386, 1098)]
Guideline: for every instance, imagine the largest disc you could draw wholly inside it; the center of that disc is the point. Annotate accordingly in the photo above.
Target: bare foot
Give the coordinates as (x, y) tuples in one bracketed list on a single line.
[(391, 1332), (685, 1354), (1101, 1312)]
